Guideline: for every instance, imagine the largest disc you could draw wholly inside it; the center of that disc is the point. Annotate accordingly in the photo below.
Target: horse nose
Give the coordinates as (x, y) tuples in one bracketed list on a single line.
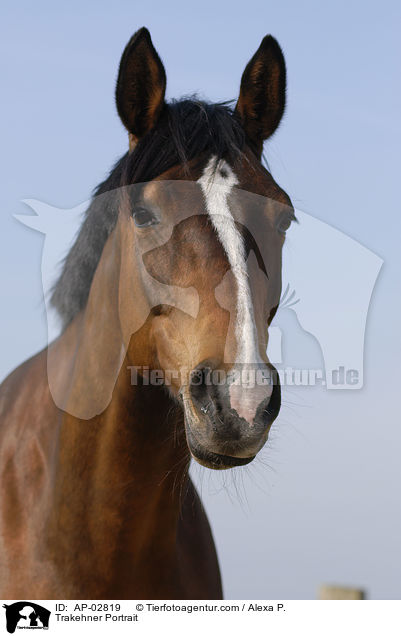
[(255, 394), (234, 410)]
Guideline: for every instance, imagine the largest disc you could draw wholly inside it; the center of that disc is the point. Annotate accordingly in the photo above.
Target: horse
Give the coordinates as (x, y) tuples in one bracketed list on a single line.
[(164, 275)]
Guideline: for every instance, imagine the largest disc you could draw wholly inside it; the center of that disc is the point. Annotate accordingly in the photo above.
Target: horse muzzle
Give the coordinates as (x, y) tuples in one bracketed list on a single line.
[(220, 436)]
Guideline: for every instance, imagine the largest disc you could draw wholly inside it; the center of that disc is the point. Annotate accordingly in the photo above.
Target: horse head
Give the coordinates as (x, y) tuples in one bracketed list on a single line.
[(214, 223)]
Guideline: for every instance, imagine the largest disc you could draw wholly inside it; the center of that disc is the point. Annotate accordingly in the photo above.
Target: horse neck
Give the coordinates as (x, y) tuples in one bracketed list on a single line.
[(121, 478), (123, 459)]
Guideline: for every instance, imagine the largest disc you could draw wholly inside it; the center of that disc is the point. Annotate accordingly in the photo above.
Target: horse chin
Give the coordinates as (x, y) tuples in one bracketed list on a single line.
[(209, 458)]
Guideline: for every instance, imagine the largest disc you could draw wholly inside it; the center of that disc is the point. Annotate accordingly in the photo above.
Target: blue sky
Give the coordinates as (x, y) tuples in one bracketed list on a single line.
[(323, 501)]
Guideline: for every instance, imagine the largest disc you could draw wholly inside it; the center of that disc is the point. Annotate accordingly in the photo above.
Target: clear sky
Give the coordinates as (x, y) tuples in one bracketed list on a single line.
[(321, 504)]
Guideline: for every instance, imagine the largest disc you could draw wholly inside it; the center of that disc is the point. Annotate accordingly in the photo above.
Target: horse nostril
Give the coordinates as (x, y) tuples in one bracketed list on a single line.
[(269, 409), (200, 376), (199, 382), (203, 392)]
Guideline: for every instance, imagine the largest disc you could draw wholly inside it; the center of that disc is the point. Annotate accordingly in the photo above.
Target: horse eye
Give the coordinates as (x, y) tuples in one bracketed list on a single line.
[(143, 217), (284, 223)]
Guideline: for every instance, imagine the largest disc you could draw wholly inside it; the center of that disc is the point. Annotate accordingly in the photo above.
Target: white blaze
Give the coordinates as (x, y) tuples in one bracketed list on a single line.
[(217, 185)]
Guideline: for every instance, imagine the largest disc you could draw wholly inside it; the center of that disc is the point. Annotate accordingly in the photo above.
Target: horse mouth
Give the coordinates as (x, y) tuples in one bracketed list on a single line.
[(220, 449), (211, 459), (216, 461), (221, 439)]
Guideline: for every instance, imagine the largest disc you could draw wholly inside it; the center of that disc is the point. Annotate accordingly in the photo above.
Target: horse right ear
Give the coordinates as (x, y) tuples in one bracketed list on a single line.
[(141, 85)]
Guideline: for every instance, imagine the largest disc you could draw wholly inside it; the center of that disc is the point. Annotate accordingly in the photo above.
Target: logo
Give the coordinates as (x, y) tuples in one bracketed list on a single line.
[(26, 615)]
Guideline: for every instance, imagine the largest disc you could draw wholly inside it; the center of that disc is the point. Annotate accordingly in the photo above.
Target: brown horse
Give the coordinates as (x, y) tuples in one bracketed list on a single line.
[(174, 277)]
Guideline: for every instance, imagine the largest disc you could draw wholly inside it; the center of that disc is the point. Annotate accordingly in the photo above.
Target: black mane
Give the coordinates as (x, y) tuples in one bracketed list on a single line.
[(186, 129)]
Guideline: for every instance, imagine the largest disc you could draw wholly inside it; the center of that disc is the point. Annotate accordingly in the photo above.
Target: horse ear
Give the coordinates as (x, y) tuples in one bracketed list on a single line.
[(141, 85), (261, 100)]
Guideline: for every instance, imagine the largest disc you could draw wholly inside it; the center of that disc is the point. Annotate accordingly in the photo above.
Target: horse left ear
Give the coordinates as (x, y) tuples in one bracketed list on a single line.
[(141, 85), (261, 100)]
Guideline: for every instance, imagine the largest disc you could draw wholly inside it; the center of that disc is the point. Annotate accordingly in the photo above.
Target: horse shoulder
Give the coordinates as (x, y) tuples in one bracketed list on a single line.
[(27, 439)]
